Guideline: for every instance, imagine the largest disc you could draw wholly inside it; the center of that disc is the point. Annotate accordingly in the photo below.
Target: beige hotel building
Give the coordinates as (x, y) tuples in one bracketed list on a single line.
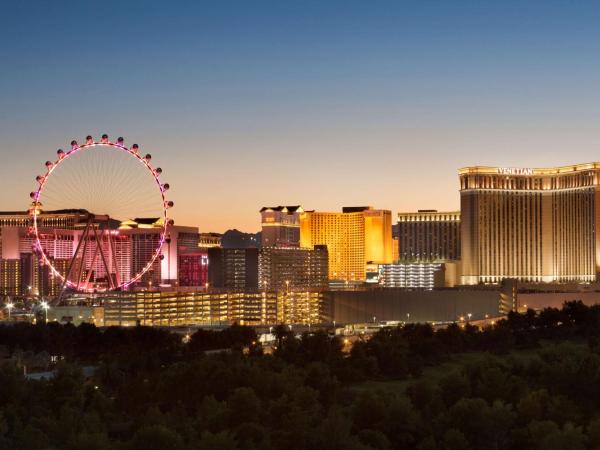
[(534, 225)]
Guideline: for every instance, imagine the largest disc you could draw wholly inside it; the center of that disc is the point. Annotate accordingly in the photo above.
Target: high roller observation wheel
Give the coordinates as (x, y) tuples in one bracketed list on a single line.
[(63, 156)]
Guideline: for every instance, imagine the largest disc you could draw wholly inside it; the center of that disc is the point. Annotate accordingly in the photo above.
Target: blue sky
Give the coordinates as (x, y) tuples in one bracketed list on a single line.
[(325, 104)]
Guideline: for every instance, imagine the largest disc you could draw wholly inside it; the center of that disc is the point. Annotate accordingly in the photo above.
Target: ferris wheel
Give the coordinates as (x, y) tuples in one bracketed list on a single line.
[(105, 184)]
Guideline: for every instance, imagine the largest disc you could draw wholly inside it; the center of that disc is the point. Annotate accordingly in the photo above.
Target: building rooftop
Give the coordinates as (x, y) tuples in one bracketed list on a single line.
[(525, 171), (287, 209), (352, 209), (141, 222), (43, 212)]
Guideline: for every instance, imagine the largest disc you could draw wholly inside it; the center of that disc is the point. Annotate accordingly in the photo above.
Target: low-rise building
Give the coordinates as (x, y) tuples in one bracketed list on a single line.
[(293, 268), (418, 275), (233, 268), (214, 307)]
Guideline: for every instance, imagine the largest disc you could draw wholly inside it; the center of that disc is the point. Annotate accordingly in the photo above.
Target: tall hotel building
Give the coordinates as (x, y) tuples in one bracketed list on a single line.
[(144, 234), (354, 237), (536, 225), (429, 235), (281, 226)]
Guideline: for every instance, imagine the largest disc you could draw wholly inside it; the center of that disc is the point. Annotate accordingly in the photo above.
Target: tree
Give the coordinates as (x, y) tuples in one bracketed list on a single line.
[(454, 386), (211, 441), (369, 411), (454, 440), (244, 406), (156, 437)]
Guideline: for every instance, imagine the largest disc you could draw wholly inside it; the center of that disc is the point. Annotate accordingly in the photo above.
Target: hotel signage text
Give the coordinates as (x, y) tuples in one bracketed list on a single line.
[(514, 171)]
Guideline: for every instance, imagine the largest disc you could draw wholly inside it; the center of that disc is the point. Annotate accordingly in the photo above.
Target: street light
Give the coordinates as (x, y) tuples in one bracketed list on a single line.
[(45, 307), (469, 316), (9, 306), (408, 317)]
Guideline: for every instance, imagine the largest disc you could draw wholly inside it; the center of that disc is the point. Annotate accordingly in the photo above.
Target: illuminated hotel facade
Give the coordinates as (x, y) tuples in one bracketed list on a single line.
[(428, 235), (23, 274), (288, 269), (281, 226), (534, 225), (67, 219), (354, 237)]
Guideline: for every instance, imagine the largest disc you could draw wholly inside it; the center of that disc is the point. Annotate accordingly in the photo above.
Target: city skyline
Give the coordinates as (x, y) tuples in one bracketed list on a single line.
[(321, 105), (299, 225)]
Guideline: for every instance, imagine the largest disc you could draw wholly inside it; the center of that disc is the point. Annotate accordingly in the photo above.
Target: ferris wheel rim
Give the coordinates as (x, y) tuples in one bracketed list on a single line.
[(76, 148)]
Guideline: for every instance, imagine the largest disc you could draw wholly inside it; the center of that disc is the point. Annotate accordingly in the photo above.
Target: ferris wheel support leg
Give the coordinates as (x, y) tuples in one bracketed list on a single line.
[(110, 282), (112, 249), (71, 264), (86, 236), (89, 274)]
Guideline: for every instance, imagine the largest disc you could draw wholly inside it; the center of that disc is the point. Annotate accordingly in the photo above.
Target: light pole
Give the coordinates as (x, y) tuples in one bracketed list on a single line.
[(45, 307), (469, 316), (408, 317)]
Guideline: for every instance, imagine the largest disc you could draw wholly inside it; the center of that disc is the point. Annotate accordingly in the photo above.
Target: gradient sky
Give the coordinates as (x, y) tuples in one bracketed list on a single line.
[(319, 103)]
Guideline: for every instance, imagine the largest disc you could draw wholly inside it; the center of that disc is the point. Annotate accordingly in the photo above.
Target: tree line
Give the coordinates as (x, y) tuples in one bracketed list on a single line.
[(530, 381)]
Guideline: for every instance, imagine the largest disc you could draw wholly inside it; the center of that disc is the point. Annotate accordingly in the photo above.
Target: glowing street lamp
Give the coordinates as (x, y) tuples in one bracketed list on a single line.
[(45, 307), (9, 307), (469, 316)]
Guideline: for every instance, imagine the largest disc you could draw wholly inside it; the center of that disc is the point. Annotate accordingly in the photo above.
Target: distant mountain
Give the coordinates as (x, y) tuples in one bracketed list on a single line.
[(239, 239)]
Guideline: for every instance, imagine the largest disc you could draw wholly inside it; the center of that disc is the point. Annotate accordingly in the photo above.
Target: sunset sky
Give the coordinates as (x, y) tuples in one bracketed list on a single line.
[(319, 103)]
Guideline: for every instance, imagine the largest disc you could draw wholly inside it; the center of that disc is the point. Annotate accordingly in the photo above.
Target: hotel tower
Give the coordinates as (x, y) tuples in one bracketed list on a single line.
[(535, 225), (354, 237)]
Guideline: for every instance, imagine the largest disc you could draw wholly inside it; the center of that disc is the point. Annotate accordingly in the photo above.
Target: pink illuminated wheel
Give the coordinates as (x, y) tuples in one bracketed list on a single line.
[(100, 216)]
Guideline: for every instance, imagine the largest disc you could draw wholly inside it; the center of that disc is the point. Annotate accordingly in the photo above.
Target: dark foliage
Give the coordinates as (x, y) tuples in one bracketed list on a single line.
[(531, 381)]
